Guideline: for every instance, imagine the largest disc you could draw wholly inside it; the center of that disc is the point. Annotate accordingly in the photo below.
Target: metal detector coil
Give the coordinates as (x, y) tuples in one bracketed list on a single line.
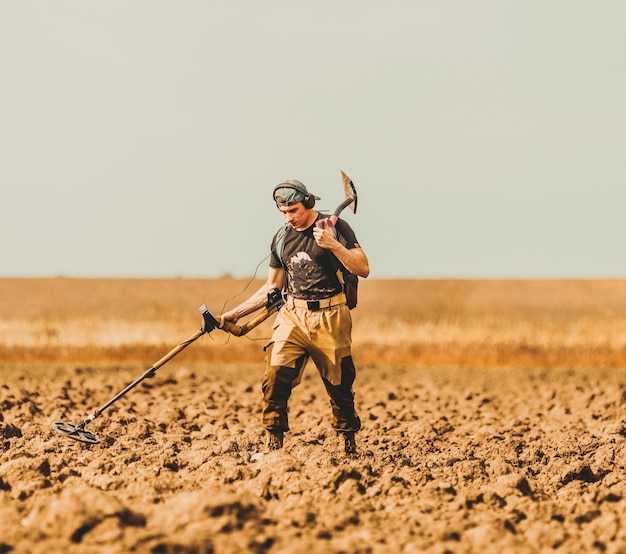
[(75, 432)]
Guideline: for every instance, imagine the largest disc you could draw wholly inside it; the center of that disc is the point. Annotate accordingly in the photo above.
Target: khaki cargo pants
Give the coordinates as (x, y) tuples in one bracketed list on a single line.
[(325, 337)]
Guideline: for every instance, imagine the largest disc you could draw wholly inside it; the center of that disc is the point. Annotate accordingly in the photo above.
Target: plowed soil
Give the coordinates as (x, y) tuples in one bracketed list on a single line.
[(493, 417)]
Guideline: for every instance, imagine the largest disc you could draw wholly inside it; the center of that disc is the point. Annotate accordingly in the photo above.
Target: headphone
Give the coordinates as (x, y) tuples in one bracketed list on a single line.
[(309, 199)]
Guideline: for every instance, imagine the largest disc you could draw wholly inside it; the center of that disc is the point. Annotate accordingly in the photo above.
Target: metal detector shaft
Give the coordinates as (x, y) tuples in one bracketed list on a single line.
[(241, 330), (274, 302), (148, 374)]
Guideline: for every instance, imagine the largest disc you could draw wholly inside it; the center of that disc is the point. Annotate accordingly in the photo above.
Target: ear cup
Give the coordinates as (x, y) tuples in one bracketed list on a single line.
[(309, 201)]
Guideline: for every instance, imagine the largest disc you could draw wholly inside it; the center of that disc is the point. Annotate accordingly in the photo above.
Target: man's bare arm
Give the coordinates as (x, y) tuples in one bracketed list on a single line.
[(353, 259), (275, 280)]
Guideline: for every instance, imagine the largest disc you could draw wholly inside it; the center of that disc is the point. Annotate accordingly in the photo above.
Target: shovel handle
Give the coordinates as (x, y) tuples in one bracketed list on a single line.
[(342, 207), (330, 221)]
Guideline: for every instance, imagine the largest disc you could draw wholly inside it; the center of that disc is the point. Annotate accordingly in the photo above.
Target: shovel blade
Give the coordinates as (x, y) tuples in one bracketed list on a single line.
[(349, 191)]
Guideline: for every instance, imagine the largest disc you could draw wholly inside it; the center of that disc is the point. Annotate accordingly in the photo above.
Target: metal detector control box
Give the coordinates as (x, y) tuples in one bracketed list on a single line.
[(208, 319)]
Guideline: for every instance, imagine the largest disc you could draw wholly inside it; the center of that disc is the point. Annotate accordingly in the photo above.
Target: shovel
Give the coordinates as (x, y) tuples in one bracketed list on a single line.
[(350, 200)]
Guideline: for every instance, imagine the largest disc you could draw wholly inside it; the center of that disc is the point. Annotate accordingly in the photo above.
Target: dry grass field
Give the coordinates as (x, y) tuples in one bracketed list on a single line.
[(493, 419), (466, 323)]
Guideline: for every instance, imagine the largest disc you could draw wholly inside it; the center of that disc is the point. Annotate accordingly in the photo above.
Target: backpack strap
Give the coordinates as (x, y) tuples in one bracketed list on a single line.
[(278, 248), (280, 242)]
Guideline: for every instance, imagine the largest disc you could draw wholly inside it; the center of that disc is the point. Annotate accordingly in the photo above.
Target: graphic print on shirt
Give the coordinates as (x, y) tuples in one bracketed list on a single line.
[(308, 273), (300, 257)]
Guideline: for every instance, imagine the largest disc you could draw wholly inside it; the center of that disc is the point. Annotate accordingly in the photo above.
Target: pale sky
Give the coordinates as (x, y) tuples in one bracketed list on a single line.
[(144, 138)]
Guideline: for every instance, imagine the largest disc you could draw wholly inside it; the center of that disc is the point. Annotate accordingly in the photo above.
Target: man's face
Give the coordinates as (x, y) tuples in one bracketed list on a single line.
[(297, 215)]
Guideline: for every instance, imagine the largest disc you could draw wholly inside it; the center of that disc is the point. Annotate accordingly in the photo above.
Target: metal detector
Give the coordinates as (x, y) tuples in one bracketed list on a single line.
[(209, 323)]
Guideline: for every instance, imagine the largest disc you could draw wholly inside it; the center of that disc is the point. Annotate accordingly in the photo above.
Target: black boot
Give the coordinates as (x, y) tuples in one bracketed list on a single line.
[(275, 440), (349, 442)]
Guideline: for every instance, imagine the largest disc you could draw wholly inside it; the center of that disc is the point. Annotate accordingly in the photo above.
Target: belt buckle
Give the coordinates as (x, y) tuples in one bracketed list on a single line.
[(313, 305)]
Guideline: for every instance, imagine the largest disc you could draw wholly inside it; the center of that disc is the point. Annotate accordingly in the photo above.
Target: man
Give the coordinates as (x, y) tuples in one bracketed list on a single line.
[(314, 321)]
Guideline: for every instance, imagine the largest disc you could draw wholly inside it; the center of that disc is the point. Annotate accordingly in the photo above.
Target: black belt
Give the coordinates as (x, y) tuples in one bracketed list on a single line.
[(316, 305)]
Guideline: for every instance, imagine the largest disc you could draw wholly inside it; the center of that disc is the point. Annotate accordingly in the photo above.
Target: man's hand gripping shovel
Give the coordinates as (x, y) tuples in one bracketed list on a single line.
[(209, 323)]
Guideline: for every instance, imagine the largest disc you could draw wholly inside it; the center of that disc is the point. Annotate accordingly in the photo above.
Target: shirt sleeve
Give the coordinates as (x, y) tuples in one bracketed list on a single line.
[(275, 261)]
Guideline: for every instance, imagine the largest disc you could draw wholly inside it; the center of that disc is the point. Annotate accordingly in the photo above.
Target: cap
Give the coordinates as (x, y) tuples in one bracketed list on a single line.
[(291, 192)]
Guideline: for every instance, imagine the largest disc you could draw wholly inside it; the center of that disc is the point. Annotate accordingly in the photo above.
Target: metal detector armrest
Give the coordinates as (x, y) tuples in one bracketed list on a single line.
[(274, 301)]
